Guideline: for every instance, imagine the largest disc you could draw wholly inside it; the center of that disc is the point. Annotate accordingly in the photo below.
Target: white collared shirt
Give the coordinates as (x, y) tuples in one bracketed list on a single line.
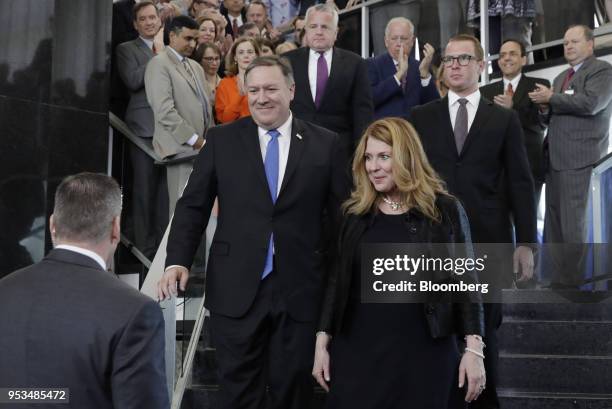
[(149, 43), (514, 81), (471, 106), (238, 19), (84, 252), (284, 140), (313, 58), (180, 57)]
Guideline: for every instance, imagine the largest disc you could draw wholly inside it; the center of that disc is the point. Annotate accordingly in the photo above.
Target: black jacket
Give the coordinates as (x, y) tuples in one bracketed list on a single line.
[(443, 318)]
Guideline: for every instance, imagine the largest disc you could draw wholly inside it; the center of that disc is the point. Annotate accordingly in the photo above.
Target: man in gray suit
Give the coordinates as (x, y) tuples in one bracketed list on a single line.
[(177, 91), (68, 323), (577, 110), (149, 191)]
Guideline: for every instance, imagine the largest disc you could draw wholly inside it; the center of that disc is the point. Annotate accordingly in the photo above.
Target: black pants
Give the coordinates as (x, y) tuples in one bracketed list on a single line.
[(265, 348)]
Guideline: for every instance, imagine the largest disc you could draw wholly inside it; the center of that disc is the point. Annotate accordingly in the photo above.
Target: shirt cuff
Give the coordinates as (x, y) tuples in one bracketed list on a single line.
[(425, 81), (399, 83), (192, 140)]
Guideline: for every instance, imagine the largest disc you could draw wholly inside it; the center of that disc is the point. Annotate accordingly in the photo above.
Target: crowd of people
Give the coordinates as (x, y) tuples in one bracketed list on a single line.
[(311, 155)]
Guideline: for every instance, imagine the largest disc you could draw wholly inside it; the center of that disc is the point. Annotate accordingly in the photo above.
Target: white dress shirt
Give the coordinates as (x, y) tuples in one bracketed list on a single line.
[(284, 140), (514, 81), (238, 19), (313, 58), (88, 253), (149, 43), (471, 106)]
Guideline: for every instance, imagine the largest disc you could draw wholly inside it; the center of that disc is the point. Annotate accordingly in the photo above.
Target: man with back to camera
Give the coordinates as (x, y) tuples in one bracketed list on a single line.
[(512, 92), (177, 92), (331, 84), (149, 189), (473, 143), (66, 322), (273, 175), (577, 110), (398, 80)]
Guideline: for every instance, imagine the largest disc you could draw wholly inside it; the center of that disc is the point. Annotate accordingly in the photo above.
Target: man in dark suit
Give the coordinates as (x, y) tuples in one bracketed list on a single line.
[(273, 175), (149, 191), (331, 84), (398, 80), (577, 110), (66, 322), (235, 15), (122, 30), (513, 93), (473, 144)]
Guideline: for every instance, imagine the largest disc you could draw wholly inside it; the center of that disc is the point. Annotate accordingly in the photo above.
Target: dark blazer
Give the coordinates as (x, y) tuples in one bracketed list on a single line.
[(533, 129), (67, 323), (493, 150), (443, 318), (579, 123), (390, 99), (231, 168), (132, 59), (347, 103)]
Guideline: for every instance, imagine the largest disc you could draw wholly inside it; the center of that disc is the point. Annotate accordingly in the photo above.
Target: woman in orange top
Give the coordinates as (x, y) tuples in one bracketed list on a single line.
[(231, 100)]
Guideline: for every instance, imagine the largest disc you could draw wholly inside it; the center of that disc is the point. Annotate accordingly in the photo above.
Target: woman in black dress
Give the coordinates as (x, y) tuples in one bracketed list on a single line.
[(392, 356)]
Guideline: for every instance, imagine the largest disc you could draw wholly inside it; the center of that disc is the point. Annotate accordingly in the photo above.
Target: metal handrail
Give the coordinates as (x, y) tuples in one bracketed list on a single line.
[(146, 146)]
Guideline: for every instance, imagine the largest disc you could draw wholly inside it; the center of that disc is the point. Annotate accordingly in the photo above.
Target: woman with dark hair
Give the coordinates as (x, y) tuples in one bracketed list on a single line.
[(231, 100), (266, 46), (209, 57), (401, 355)]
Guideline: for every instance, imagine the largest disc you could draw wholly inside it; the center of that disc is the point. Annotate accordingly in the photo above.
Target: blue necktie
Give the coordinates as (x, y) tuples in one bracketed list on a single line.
[(271, 166)]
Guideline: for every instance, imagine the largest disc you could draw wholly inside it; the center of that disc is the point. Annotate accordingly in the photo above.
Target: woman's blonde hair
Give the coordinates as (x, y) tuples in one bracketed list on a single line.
[(416, 181)]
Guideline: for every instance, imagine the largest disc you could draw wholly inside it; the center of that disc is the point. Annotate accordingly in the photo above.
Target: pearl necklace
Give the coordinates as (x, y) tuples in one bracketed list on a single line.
[(395, 206)]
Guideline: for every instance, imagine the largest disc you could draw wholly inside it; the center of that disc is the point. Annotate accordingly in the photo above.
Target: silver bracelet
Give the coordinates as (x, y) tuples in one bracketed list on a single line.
[(480, 354)]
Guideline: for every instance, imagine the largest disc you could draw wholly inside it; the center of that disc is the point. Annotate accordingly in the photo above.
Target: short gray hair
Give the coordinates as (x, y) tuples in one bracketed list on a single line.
[(85, 206), (323, 8), (399, 20)]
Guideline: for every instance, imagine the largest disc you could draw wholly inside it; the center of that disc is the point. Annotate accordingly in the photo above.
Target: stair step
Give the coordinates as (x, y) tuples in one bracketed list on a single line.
[(556, 337), (512, 399), (556, 373), (559, 312)]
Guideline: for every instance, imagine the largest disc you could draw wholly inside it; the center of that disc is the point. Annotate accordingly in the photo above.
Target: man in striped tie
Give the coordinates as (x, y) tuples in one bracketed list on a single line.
[(274, 176)]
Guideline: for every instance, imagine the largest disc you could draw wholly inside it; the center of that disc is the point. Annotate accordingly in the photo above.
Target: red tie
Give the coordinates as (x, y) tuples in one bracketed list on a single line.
[(154, 49), (510, 90), (567, 80), (235, 28)]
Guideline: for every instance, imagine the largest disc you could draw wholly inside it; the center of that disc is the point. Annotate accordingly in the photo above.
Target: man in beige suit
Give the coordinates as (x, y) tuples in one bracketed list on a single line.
[(176, 90)]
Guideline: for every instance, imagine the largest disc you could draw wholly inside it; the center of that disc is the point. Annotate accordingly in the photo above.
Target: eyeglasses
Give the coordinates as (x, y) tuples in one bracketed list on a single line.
[(211, 59), (462, 60)]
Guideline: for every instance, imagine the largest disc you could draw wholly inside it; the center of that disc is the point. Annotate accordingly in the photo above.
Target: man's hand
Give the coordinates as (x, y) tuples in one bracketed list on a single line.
[(320, 368), (503, 100), (402, 66), (428, 54), (166, 286), (158, 40), (541, 95), (522, 261)]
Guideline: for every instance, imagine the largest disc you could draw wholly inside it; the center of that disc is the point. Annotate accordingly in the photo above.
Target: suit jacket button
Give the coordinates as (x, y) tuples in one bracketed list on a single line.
[(413, 229)]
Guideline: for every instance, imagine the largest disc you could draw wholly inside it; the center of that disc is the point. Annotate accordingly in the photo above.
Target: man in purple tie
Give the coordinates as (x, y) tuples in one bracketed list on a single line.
[(332, 85), (274, 176)]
